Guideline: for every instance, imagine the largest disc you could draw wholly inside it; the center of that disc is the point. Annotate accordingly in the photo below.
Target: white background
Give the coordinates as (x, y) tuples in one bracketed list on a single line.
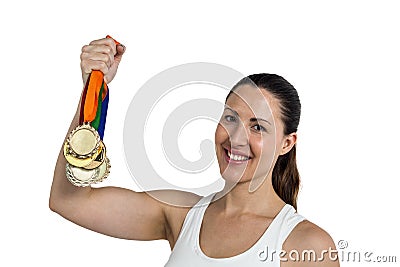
[(342, 56)]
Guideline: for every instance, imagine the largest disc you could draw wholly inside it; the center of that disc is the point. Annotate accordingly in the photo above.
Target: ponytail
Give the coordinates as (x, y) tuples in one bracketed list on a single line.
[(286, 177)]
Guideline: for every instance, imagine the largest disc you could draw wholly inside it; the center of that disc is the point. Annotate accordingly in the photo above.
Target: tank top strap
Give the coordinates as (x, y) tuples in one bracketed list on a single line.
[(290, 221), (279, 229)]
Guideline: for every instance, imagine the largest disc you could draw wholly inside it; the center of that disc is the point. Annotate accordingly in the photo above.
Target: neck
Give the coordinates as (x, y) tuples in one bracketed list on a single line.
[(240, 199)]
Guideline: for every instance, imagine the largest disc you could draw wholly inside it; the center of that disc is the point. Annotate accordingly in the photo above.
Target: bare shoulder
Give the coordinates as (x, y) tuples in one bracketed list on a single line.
[(309, 235), (310, 245)]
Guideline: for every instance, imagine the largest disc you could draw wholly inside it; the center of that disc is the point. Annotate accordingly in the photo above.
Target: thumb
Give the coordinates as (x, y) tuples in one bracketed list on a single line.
[(120, 51), (114, 67)]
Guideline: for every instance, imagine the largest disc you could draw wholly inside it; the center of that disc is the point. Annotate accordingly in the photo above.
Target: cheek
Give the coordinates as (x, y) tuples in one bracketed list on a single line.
[(220, 134), (263, 146), (256, 146), (265, 150)]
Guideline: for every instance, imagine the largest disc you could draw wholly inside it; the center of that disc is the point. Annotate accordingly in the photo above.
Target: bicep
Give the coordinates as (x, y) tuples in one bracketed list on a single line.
[(118, 212)]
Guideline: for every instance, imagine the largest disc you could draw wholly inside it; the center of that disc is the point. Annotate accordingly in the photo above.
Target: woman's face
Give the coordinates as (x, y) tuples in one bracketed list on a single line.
[(249, 137)]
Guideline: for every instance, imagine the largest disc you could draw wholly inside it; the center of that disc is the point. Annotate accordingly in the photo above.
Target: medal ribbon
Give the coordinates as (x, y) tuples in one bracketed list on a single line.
[(94, 102)]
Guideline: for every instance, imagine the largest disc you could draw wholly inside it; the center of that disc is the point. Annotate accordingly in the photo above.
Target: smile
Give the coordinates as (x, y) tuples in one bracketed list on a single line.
[(230, 157)]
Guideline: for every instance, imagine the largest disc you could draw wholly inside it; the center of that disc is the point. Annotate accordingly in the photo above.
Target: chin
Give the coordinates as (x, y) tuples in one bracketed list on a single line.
[(233, 173), (235, 176)]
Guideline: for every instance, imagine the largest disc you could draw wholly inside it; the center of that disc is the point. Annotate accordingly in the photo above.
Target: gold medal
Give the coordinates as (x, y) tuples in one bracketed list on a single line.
[(79, 162), (83, 142), (104, 170), (87, 162), (99, 159), (84, 177), (79, 176)]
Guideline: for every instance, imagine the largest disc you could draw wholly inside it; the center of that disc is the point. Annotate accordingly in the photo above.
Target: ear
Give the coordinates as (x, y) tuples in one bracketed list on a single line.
[(288, 142)]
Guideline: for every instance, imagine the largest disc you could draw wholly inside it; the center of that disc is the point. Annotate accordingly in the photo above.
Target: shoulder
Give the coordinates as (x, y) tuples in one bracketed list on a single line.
[(307, 234), (313, 245)]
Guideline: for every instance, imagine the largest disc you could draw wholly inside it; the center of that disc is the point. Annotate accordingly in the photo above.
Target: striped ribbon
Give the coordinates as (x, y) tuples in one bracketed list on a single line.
[(94, 102)]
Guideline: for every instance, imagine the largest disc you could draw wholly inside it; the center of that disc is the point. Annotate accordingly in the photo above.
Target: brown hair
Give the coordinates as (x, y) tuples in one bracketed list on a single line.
[(285, 176)]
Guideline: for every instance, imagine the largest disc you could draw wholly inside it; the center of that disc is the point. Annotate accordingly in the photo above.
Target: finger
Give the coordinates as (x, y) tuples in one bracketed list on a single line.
[(89, 65), (100, 49), (107, 42), (106, 58), (120, 51)]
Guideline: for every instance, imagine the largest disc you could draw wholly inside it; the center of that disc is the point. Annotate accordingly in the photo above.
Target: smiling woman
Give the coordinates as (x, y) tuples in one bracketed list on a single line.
[(281, 97), (249, 221)]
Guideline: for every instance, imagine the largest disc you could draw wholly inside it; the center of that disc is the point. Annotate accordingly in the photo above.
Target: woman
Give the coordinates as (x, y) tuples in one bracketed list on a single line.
[(239, 227)]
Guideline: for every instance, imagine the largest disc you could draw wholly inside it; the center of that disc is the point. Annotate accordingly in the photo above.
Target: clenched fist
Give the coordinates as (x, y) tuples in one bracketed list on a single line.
[(103, 55)]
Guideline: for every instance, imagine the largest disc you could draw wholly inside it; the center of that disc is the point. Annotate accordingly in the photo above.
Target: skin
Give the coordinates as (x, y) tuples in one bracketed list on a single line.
[(236, 218)]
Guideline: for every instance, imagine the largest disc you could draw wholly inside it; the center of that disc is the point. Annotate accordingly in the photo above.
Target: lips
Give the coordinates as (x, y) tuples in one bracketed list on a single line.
[(235, 156)]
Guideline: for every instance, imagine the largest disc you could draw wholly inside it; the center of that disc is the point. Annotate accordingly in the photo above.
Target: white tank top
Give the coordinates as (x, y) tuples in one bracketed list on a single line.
[(265, 252)]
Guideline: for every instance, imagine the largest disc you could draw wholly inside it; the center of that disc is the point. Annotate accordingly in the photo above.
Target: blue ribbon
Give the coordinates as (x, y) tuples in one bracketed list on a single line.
[(104, 108)]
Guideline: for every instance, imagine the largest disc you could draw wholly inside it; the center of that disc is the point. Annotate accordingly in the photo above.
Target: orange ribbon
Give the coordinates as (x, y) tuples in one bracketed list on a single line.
[(96, 79)]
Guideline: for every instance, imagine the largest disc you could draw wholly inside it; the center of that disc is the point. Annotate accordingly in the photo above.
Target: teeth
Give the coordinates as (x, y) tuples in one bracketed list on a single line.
[(237, 157)]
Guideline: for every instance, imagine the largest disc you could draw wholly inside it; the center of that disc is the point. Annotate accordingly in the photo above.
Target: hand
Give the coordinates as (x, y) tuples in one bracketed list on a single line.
[(103, 55)]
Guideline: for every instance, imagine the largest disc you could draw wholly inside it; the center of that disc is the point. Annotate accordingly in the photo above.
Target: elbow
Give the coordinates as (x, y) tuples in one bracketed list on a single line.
[(53, 204)]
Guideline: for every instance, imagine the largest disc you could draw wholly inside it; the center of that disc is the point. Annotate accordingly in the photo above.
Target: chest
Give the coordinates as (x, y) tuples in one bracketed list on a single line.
[(222, 237)]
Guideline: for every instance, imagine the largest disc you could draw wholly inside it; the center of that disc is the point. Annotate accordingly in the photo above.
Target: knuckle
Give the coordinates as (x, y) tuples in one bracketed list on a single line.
[(83, 63), (110, 41), (84, 48), (83, 55), (111, 46)]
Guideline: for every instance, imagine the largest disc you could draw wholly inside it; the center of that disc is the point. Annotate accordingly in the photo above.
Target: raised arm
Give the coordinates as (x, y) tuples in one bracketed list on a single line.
[(112, 211)]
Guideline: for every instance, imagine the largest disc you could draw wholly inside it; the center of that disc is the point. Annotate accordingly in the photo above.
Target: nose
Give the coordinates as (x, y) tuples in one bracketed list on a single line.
[(238, 136)]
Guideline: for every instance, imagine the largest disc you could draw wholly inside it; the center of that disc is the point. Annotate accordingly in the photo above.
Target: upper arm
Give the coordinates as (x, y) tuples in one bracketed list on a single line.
[(309, 245), (123, 213)]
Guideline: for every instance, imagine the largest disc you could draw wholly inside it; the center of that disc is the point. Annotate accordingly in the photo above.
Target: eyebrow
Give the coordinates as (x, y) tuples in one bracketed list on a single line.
[(252, 119), (259, 119)]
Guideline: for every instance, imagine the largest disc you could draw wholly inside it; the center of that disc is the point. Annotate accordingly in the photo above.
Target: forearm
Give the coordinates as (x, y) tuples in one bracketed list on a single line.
[(62, 191)]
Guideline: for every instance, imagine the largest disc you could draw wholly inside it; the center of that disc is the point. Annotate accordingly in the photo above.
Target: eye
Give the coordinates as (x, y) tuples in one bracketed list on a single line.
[(229, 118), (259, 128)]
